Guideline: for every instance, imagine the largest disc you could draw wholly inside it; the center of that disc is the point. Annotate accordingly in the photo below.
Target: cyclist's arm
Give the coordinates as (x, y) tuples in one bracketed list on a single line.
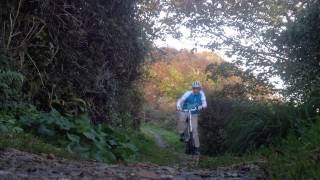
[(182, 99), (203, 99)]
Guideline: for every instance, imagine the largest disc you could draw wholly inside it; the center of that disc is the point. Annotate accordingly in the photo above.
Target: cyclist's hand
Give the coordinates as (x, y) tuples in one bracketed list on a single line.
[(200, 108)]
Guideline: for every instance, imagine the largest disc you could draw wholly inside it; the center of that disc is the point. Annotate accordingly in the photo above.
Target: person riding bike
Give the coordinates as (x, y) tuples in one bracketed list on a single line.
[(191, 99)]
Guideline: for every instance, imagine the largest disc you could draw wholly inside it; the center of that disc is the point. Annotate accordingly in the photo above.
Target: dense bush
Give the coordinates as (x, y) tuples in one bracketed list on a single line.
[(235, 126), (260, 124), (76, 56), (212, 124), (296, 157), (10, 88)]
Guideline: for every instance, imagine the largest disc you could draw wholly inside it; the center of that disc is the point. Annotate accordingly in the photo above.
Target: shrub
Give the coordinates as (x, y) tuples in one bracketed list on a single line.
[(212, 124), (260, 124), (10, 88), (76, 134), (296, 157), (235, 126), (8, 124)]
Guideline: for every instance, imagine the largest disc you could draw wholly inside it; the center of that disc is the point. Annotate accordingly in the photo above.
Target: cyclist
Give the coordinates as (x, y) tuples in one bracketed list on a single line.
[(195, 99)]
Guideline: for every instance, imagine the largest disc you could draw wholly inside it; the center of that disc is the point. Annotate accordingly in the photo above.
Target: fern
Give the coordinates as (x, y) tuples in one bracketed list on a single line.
[(10, 87)]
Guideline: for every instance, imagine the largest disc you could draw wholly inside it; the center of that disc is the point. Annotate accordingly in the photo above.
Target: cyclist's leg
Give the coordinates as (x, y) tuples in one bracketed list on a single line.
[(181, 122), (195, 130)]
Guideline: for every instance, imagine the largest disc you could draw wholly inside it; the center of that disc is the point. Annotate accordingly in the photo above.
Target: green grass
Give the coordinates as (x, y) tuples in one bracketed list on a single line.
[(149, 151), (32, 144), (171, 137), (227, 160), (295, 158), (176, 146), (163, 119)]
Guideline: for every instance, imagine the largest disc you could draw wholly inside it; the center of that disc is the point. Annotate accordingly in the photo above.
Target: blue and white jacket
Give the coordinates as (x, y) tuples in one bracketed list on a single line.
[(191, 100)]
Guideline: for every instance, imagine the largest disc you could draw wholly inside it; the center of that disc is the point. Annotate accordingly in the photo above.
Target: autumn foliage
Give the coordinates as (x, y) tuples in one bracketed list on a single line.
[(170, 72)]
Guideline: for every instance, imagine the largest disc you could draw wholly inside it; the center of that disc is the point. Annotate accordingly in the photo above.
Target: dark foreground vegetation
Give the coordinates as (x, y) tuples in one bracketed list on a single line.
[(68, 73)]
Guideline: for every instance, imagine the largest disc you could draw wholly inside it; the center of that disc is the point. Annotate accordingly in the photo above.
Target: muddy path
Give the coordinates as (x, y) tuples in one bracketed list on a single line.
[(16, 164)]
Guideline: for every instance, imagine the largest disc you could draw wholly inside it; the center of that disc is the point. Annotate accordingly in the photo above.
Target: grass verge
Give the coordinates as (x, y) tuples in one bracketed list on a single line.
[(149, 151), (32, 144), (169, 136), (175, 146), (295, 158)]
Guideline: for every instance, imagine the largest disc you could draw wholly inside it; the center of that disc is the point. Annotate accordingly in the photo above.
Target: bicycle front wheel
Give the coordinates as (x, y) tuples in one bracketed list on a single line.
[(190, 145)]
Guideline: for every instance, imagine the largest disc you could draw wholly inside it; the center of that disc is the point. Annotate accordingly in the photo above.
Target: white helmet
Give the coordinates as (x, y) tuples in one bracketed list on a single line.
[(196, 84)]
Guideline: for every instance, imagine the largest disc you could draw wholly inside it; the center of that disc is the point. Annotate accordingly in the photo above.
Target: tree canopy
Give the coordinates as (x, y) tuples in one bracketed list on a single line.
[(256, 29), (300, 42)]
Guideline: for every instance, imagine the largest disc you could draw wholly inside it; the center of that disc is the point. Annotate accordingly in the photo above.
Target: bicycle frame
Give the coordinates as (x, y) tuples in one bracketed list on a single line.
[(189, 111), (190, 141)]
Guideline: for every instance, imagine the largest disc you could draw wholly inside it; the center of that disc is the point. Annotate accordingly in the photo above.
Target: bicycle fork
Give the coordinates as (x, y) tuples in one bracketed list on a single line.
[(190, 123)]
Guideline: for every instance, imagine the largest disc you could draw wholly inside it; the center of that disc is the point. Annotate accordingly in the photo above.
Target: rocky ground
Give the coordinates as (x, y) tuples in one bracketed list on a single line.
[(15, 164)]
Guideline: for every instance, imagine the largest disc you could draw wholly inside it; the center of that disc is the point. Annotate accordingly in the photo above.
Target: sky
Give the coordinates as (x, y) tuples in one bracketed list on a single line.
[(189, 44), (186, 43)]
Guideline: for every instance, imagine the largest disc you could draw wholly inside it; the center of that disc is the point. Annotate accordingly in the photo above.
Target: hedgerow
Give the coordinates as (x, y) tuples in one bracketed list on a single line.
[(75, 56)]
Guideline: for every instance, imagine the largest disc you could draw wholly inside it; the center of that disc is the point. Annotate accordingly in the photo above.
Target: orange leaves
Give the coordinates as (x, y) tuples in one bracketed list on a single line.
[(173, 72)]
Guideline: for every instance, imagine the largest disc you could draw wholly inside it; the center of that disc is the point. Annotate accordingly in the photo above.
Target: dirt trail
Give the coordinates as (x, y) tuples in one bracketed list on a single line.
[(15, 164), (158, 139)]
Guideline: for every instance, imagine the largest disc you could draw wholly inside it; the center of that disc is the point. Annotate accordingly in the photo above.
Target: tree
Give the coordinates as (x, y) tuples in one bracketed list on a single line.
[(171, 73), (256, 26), (300, 42), (235, 83)]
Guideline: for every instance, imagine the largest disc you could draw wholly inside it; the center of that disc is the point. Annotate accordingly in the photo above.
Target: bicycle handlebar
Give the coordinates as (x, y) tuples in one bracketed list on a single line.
[(192, 110)]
